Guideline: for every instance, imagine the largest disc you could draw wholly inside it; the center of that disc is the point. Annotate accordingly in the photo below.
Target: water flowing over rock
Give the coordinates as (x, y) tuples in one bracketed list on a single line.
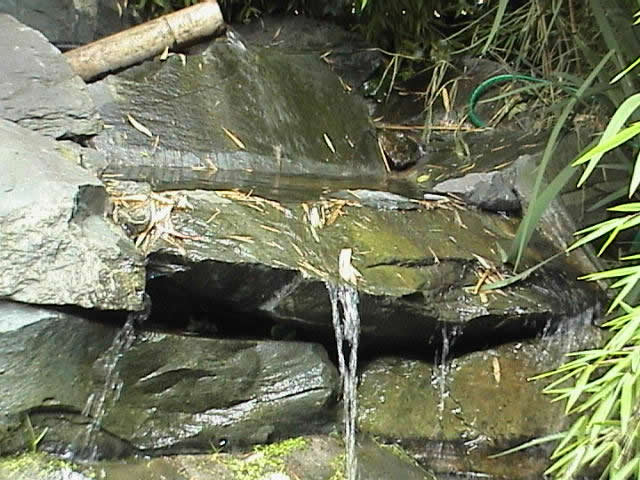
[(254, 256), (236, 108), (457, 411), (255, 171), (178, 394), (39, 90)]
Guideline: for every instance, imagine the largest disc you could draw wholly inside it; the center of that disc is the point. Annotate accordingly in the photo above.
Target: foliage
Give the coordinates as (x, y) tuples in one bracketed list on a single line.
[(244, 10), (601, 387)]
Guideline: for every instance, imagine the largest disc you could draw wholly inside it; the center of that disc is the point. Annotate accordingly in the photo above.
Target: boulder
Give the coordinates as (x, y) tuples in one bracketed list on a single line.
[(40, 91), (236, 108), (454, 413), (70, 23), (101, 391), (58, 247)]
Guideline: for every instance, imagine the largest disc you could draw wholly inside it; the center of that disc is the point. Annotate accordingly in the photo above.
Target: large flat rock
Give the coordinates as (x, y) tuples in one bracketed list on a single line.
[(231, 252), (235, 107)]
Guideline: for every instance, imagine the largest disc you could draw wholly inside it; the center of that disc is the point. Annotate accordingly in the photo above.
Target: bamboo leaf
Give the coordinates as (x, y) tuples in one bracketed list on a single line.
[(576, 430), (635, 177), (532, 443), (626, 207), (627, 470), (578, 388), (626, 401), (502, 7), (596, 232), (606, 144), (612, 136), (626, 70)]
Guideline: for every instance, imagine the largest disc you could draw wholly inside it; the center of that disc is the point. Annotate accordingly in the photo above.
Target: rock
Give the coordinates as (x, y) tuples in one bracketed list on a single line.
[(46, 359), (454, 414), (184, 394), (490, 191), (57, 246), (70, 23), (62, 21), (40, 92), (236, 108), (316, 457), (345, 52), (245, 256), (177, 394)]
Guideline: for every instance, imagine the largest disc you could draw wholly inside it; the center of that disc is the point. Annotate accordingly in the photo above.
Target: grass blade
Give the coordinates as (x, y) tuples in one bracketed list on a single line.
[(527, 225)]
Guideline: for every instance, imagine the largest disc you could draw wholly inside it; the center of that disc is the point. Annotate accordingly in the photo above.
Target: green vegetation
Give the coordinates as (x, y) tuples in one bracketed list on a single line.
[(265, 459), (339, 466), (600, 387), (35, 465), (34, 441)]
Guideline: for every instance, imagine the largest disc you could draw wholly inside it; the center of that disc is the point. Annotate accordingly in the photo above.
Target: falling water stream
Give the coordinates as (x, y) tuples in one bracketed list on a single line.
[(99, 402), (346, 324)]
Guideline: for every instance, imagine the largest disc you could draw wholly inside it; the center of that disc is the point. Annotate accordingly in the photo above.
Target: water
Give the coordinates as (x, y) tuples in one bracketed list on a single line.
[(346, 324), (449, 335), (441, 371), (99, 402)]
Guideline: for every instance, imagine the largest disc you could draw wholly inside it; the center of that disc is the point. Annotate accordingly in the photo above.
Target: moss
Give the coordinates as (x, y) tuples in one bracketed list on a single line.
[(265, 459), (339, 468), (34, 465)]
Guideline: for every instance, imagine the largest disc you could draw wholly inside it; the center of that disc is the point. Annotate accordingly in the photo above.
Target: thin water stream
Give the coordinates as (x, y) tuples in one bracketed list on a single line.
[(346, 324), (99, 402)]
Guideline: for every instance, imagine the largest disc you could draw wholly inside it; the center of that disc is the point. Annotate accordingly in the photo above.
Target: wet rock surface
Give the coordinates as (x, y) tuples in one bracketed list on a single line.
[(344, 52), (459, 409), (231, 355), (237, 108), (249, 255), (310, 458), (173, 393)]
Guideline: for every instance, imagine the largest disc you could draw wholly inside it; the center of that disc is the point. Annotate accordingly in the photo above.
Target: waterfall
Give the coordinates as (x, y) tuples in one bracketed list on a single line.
[(346, 324), (99, 402)]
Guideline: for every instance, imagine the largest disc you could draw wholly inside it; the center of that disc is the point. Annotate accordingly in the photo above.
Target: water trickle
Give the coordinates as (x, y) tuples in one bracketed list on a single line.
[(449, 335), (99, 402), (346, 324)]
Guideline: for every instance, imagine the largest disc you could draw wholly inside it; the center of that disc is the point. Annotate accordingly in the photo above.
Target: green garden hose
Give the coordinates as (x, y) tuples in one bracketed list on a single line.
[(480, 89)]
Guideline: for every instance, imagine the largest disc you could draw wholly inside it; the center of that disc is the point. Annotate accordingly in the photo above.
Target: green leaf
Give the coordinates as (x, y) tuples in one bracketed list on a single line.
[(606, 144), (597, 231), (527, 225), (612, 136), (633, 207), (626, 70), (626, 401), (626, 471), (578, 388), (495, 27), (635, 178), (532, 443), (576, 430)]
